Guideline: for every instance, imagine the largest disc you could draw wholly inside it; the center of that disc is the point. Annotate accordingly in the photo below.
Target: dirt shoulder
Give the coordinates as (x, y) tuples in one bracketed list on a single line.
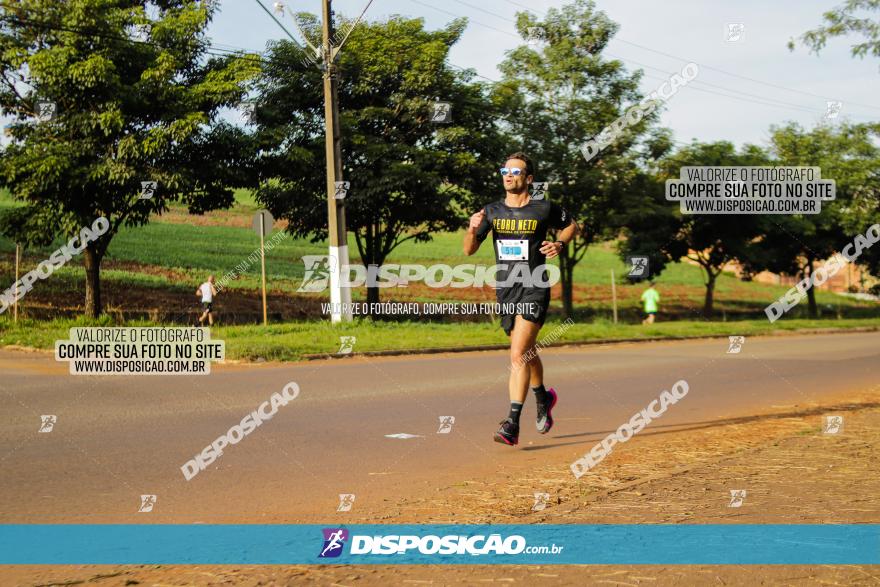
[(792, 472)]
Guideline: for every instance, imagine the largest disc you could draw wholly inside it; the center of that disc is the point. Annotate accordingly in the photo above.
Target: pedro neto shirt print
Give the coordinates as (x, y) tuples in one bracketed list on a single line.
[(517, 234)]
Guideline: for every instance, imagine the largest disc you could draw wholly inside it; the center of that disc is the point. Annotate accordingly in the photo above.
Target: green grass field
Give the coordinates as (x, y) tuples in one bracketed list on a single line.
[(291, 341), (217, 249), (191, 251), (175, 256)]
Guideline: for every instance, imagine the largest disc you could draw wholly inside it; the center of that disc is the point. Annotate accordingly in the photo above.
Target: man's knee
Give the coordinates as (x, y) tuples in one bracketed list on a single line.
[(522, 355)]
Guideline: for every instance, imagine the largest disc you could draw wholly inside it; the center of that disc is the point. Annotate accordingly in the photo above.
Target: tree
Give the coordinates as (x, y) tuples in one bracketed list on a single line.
[(846, 153), (665, 235), (845, 19), (136, 97), (406, 172), (556, 95), (852, 17), (643, 216)]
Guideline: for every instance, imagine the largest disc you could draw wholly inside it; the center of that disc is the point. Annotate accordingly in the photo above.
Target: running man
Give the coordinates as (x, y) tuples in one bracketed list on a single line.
[(207, 291), (651, 299), (519, 226), (334, 542)]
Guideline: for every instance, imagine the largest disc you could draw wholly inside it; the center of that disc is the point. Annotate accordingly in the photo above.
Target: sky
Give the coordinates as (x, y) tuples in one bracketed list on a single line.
[(743, 86)]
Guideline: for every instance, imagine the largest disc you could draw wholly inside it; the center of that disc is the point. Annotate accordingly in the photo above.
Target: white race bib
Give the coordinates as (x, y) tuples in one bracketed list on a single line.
[(513, 250)]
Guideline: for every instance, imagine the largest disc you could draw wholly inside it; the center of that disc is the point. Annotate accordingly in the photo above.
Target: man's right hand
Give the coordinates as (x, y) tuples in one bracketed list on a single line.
[(476, 220)]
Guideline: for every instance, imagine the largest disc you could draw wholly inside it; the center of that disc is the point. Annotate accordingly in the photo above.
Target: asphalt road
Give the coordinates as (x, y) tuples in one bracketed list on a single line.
[(119, 437)]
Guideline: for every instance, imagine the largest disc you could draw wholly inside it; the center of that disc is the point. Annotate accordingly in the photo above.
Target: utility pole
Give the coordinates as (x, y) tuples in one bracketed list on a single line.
[(614, 296), (340, 295)]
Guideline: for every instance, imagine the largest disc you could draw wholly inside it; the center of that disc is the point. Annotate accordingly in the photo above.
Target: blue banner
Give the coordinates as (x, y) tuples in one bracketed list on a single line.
[(440, 544)]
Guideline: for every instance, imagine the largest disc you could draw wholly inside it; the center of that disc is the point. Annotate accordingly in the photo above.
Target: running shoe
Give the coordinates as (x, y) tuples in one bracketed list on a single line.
[(544, 422), (508, 433)]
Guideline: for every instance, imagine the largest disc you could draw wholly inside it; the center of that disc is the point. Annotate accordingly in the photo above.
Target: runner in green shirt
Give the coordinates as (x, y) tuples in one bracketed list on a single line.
[(651, 299)]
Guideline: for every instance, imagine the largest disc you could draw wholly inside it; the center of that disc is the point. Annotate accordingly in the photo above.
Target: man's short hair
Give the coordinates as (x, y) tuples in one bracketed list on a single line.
[(530, 169)]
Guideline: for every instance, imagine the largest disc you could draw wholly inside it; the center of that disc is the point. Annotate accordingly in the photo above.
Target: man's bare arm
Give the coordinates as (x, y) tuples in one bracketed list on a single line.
[(471, 243), (568, 233), (550, 250)]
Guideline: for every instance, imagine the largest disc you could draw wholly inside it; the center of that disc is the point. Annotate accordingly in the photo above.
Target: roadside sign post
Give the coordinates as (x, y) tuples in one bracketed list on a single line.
[(262, 225), (263, 269), (614, 296), (17, 262)]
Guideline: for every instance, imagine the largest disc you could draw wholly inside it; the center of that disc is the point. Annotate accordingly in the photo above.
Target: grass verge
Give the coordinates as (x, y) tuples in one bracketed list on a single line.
[(292, 341)]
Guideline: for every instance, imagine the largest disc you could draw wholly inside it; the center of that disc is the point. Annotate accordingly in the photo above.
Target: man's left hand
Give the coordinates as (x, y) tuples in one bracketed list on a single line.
[(551, 250)]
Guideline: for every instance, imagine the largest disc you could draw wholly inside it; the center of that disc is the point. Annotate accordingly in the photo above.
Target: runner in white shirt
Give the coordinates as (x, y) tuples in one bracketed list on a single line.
[(207, 291)]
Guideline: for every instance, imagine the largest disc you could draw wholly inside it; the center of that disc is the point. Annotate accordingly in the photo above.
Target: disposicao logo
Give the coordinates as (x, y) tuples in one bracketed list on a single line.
[(411, 544), (451, 544), (334, 540)]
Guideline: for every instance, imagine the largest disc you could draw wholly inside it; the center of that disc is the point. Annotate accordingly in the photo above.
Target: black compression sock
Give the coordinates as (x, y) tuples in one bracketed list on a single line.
[(515, 410), (540, 394)]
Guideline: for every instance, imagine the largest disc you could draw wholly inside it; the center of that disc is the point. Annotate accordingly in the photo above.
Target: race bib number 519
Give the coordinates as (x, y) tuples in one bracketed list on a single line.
[(513, 250)]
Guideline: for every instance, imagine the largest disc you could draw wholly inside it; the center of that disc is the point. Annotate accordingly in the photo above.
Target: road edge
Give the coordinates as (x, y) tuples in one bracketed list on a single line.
[(576, 343)]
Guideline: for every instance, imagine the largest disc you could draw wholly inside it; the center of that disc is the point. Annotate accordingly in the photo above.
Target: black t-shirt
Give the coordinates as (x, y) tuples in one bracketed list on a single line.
[(517, 234)]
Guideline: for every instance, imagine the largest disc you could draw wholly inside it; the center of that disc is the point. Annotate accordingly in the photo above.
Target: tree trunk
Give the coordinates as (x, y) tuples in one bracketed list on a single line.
[(708, 304), (566, 269), (372, 296), (566, 266), (372, 261), (811, 292), (92, 261)]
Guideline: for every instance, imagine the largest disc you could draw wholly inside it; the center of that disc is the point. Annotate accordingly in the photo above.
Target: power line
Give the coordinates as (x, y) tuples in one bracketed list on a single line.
[(489, 12), (761, 100), (608, 54), (758, 99), (488, 26), (278, 22), (743, 77), (352, 27), (717, 69), (471, 70), (698, 89), (234, 48), (657, 78), (210, 49), (753, 98)]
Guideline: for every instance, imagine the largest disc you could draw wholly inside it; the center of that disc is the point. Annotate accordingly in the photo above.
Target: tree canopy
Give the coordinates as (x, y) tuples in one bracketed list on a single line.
[(136, 95)]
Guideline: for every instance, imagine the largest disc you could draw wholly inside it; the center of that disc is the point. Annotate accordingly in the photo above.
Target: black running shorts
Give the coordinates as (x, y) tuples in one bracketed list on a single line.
[(531, 305)]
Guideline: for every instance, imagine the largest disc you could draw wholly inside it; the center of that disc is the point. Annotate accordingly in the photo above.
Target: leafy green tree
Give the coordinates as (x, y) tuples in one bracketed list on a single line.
[(846, 153), (852, 16), (136, 94), (557, 92), (657, 229), (643, 210), (407, 173)]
